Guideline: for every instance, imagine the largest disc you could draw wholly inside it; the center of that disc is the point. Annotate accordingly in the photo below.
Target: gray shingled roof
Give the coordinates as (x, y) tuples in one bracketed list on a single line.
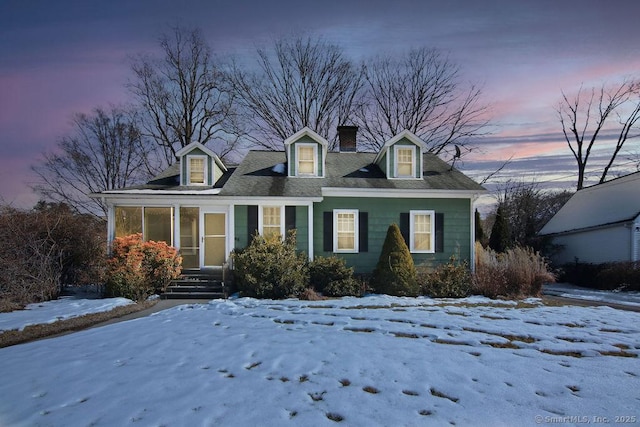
[(259, 174), (611, 202), (263, 173)]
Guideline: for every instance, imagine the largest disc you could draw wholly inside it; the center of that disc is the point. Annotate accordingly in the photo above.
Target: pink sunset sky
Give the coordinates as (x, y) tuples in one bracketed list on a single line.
[(65, 57)]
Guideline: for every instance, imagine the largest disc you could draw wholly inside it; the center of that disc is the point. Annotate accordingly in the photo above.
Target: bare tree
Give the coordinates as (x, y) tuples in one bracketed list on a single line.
[(105, 151), (185, 96), (527, 208), (421, 92), (304, 82), (585, 122)]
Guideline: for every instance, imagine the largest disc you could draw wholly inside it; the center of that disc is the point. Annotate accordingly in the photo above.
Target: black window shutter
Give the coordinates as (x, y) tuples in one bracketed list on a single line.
[(289, 217), (439, 232), (327, 232), (363, 231), (252, 222), (404, 226)]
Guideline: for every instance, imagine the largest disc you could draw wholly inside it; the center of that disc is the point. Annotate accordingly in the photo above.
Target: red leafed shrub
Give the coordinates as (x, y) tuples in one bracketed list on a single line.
[(138, 269)]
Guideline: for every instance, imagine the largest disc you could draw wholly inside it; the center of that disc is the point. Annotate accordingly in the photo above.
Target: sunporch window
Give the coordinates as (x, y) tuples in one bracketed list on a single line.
[(155, 223)]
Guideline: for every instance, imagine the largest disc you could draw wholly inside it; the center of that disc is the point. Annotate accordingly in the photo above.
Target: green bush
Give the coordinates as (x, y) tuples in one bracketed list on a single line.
[(450, 280), (139, 269), (518, 272), (395, 273), (331, 277), (271, 268)]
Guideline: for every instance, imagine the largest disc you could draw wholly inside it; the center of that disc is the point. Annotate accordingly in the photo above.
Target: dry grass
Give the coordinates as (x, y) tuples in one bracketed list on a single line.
[(35, 332), (517, 272)]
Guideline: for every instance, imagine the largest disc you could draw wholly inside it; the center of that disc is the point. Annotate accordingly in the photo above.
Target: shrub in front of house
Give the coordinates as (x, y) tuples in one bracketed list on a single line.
[(331, 277), (270, 268), (395, 273), (45, 248), (450, 280), (623, 276), (138, 269), (518, 272)]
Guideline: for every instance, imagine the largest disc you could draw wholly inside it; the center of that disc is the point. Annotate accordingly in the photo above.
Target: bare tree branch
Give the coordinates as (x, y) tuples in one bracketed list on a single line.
[(420, 92), (303, 82), (583, 122), (105, 151), (185, 96)]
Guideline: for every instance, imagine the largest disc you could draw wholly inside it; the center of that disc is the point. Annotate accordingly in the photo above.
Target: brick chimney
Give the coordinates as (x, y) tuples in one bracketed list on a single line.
[(347, 138)]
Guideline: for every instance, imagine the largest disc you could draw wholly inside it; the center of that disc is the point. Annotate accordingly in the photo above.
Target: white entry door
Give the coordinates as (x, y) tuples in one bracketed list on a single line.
[(214, 236)]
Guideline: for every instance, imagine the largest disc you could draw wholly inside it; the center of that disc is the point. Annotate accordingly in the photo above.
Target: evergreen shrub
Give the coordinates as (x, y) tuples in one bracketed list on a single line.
[(331, 277), (270, 268), (395, 273), (450, 280)]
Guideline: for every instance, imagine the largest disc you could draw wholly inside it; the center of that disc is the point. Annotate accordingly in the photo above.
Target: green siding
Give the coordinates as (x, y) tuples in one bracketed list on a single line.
[(302, 228), (241, 228), (382, 213)]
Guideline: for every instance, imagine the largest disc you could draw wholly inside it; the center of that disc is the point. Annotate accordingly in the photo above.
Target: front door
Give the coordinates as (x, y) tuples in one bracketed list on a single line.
[(214, 237)]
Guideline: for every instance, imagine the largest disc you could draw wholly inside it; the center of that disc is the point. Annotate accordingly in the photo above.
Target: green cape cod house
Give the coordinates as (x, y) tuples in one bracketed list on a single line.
[(339, 202)]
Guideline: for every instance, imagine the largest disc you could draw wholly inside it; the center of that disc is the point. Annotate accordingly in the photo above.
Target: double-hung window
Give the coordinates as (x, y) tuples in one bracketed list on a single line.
[(422, 231), (307, 162), (197, 170), (345, 228), (405, 162), (272, 221)]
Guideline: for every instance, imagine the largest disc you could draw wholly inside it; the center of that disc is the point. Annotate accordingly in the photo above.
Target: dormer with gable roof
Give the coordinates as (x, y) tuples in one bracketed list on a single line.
[(306, 153), (401, 156), (199, 166)]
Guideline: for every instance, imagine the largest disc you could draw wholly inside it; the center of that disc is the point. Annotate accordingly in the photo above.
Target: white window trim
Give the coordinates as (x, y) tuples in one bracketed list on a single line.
[(412, 215), (315, 160), (356, 237), (206, 169), (414, 164), (261, 219)]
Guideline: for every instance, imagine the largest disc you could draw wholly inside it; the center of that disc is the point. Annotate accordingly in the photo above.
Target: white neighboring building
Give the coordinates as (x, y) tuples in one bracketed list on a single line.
[(599, 223)]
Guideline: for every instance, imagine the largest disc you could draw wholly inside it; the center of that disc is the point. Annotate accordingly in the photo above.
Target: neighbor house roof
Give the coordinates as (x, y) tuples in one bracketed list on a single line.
[(612, 202), (263, 173)]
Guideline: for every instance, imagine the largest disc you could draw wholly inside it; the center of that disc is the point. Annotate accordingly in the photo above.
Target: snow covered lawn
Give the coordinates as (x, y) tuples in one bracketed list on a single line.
[(355, 361), (60, 309)]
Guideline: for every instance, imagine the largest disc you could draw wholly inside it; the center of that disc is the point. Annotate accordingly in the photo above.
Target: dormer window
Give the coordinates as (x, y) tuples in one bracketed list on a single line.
[(306, 155), (197, 170), (405, 161)]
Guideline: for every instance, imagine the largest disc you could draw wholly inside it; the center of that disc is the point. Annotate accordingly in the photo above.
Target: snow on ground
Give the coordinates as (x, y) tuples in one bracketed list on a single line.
[(60, 309), (571, 291), (373, 361)]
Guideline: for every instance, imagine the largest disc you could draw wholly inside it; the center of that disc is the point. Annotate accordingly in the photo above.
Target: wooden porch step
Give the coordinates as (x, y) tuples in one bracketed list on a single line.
[(194, 295), (196, 285)]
